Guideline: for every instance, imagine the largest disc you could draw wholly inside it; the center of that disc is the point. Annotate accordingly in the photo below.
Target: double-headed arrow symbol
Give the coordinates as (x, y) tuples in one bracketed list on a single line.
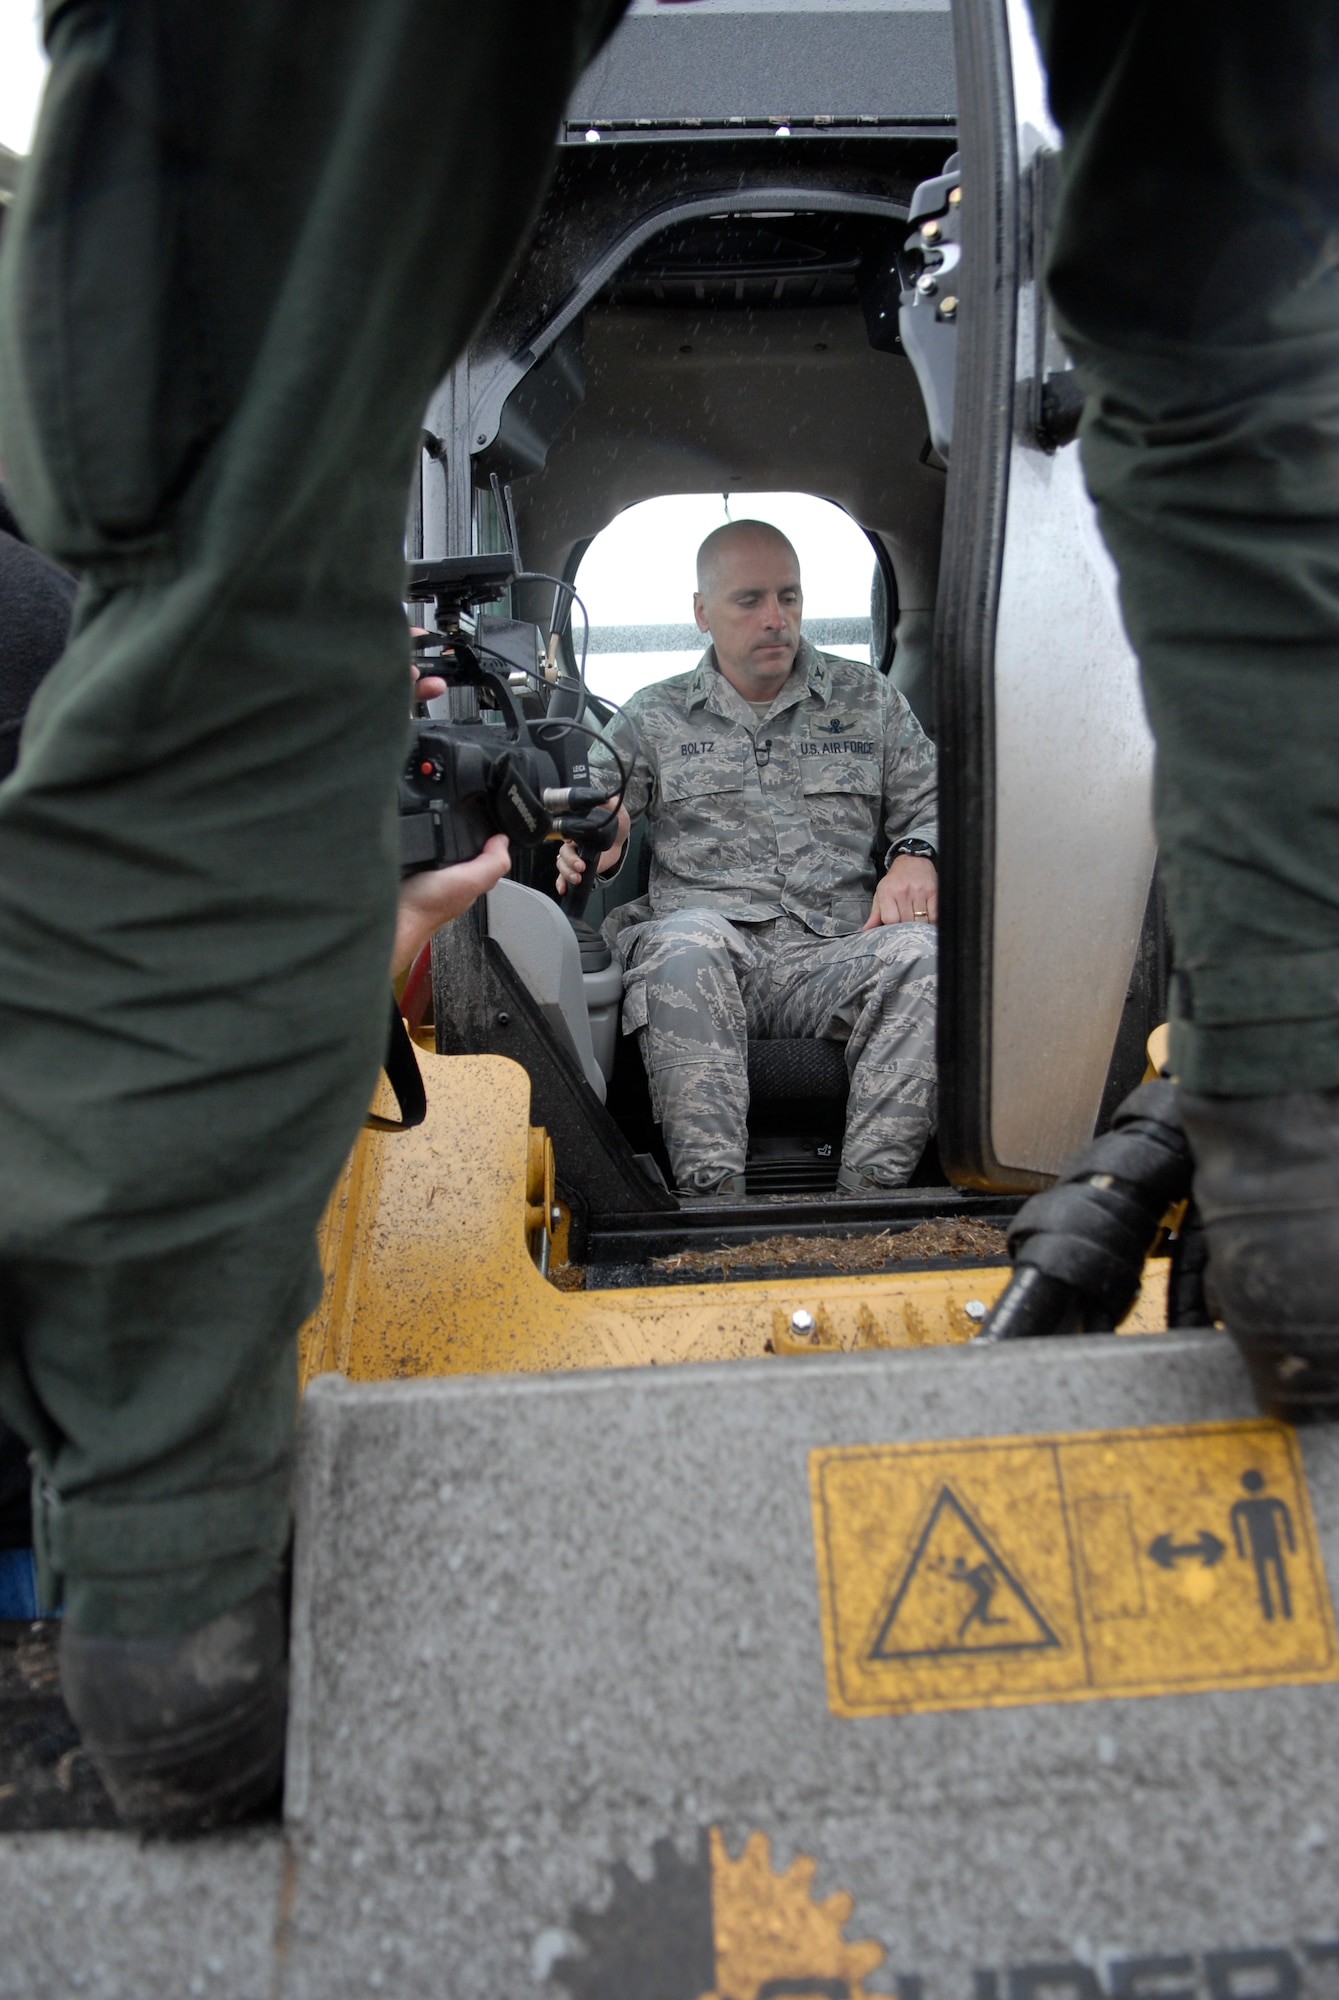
[(1166, 1552)]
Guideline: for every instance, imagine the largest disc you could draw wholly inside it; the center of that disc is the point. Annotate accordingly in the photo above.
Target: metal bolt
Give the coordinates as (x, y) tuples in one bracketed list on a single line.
[(975, 1309), (926, 285), (948, 307), (930, 230), (555, 1216), (801, 1322), (482, 438), (504, 1020)]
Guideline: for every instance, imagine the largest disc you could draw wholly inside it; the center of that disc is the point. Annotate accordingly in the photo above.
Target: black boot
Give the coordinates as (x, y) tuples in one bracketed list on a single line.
[(1267, 1187), (187, 1731)]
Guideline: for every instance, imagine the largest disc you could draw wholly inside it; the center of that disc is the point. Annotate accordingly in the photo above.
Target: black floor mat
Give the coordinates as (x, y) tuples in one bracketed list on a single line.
[(797, 1175)]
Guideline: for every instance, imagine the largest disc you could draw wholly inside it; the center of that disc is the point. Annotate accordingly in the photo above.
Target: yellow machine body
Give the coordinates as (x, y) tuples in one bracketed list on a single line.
[(428, 1242)]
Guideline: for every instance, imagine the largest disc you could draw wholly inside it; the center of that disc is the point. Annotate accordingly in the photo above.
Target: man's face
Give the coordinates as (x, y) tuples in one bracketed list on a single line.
[(752, 611)]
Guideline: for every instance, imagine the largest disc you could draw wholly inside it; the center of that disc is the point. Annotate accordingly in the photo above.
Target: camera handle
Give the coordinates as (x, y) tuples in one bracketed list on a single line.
[(571, 752), (578, 894), (462, 665), (590, 844)]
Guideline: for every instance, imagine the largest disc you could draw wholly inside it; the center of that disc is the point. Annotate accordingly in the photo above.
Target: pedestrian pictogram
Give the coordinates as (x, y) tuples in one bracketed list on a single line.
[(1260, 1525), (991, 1571), (957, 1594)]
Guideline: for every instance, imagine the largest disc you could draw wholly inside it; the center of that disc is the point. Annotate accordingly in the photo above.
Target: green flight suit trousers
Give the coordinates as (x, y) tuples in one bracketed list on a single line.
[(250, 240), (1194, 268)]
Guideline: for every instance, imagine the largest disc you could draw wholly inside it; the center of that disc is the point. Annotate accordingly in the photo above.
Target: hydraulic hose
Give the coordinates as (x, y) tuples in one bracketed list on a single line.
[(1079, 1246)]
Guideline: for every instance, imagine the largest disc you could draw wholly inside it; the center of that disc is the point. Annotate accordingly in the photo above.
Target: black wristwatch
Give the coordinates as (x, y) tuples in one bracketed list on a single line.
[(920, 847)]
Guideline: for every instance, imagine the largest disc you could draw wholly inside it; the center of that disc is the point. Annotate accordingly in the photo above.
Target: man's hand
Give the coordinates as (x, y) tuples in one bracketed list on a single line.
[(908, 893), (426, 686), (571, 867), (429, 900)]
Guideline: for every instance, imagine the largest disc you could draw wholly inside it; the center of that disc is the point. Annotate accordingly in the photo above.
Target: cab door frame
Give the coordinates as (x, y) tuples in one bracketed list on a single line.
[(1046, 756)]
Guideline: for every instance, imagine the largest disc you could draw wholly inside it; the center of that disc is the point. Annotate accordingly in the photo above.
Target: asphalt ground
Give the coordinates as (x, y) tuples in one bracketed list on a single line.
[(45, 1778)]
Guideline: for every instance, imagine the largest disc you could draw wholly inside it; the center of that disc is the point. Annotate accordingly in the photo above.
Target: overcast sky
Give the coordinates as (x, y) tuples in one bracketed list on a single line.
[(639, 571), (22, 67)]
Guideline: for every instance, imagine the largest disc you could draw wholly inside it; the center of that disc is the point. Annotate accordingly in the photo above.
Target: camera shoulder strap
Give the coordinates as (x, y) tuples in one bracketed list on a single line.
[(405, 1079)]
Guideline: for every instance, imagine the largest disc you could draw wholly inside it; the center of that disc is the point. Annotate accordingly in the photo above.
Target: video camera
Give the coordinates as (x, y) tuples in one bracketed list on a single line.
[(466, 778)]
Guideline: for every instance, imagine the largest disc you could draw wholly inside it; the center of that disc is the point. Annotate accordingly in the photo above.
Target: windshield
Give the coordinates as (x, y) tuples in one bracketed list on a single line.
[(637, 577)]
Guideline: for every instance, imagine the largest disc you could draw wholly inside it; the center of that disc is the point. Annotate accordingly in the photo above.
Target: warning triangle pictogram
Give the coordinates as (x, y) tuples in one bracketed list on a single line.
[(957, 1595)]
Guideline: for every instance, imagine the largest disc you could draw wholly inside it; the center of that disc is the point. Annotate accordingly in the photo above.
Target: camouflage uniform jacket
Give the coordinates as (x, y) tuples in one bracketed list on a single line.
[(783, 814)]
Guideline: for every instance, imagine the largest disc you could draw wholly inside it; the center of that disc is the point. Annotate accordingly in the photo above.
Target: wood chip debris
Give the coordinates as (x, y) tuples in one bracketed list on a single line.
[(965, 1242)]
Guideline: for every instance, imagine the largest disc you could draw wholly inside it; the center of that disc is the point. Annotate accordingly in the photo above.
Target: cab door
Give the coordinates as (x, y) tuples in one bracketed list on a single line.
[(1046, 753)]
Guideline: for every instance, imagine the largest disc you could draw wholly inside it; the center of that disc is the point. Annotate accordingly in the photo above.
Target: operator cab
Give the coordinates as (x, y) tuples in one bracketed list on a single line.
[(732, 296)]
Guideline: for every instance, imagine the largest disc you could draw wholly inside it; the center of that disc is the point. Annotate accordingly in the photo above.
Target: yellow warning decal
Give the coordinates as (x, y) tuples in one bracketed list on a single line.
[(986, 1572)]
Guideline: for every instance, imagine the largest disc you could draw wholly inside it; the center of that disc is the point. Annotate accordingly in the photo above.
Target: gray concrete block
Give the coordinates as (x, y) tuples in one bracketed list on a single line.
[(550, 1633), (545, 1625), (105, 1916)]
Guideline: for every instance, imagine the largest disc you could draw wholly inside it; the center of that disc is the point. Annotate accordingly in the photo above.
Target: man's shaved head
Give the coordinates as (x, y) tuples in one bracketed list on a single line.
[(749, 599), (735, 534)]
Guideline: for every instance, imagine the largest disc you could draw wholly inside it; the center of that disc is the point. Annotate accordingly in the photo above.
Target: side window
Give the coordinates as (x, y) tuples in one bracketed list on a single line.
[(636, 579)]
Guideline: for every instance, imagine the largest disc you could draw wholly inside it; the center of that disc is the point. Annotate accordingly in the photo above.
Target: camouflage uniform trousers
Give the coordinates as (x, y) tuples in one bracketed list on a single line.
[(697, 986)]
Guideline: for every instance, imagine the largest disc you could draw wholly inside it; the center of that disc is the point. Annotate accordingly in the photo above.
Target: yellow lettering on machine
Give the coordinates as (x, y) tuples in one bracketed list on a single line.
[(988, 1572)]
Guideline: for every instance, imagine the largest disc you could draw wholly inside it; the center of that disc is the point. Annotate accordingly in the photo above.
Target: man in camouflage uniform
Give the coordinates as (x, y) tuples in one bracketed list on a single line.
[(772, 776)]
